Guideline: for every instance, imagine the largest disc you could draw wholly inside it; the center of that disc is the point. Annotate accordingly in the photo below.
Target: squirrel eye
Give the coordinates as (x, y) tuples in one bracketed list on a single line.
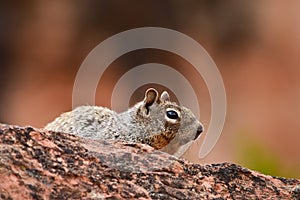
[(172, 114)]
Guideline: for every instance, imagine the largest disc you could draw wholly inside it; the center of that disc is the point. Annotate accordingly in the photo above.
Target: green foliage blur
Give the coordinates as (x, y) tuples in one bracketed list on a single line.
[(254, 154)]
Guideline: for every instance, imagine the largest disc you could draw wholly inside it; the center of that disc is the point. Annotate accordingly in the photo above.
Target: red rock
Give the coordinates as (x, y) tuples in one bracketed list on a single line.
[(37, 164)]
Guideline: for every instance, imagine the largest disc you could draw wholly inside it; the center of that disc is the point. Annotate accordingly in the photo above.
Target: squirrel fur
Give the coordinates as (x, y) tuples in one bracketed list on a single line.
[(155, 121)]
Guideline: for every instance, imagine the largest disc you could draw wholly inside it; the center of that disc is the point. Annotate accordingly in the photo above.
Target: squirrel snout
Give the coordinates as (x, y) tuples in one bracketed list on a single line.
[(199, 131)]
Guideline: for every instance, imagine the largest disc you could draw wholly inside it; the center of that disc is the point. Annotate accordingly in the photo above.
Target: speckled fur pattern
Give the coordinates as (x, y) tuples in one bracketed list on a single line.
[(146, 122)]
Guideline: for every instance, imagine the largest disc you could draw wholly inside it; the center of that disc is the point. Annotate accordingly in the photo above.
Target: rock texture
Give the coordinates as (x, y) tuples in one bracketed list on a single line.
[(36, 164)]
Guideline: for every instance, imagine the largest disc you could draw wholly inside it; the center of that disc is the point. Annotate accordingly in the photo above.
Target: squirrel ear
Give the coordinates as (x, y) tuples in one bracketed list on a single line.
[(165, 96), (151, 96)]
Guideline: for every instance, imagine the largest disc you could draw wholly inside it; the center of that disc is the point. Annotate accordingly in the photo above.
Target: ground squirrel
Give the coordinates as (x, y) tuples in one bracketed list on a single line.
[(155, 121)]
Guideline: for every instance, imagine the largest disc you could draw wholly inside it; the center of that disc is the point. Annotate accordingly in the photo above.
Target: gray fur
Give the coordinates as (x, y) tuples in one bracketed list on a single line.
[(146, 122)]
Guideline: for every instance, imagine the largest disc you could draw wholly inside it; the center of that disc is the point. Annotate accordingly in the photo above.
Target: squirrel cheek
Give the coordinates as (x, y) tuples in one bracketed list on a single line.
[(162, 139), (159, 141)]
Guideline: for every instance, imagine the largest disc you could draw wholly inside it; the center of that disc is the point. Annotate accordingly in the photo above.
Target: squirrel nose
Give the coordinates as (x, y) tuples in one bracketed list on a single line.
[(199, 131)]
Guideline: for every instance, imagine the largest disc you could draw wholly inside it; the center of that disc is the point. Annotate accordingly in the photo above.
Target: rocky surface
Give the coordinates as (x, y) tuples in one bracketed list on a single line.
[(37, 164)]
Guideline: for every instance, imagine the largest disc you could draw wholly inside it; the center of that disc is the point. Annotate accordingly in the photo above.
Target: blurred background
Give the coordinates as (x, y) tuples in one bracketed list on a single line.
[(255, 44)]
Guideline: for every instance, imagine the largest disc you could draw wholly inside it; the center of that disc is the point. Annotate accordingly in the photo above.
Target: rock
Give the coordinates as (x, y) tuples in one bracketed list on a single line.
[(38, 164)]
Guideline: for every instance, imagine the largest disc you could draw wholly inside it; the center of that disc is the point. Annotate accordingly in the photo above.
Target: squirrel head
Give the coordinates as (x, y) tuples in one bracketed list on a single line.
[(166, 121)]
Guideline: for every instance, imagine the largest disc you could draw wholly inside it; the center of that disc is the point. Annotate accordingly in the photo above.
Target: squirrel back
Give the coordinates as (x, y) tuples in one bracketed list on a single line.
[(155, 121)]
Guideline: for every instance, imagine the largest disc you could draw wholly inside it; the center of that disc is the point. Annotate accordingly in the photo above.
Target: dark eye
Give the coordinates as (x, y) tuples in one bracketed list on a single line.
[(172, 114)]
